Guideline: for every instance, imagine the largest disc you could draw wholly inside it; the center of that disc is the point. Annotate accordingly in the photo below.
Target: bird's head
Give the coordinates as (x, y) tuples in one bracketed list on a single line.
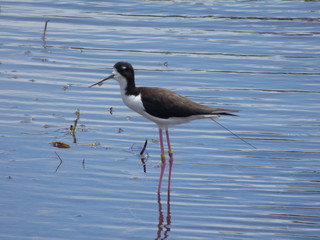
[(122, 72)]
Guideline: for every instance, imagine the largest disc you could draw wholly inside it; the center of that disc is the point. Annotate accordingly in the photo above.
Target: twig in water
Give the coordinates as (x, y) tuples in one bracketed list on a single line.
[(83, 163), (59, 163), (44, 33), (233, 133), (143, 157), (74, 126), (144, 147)]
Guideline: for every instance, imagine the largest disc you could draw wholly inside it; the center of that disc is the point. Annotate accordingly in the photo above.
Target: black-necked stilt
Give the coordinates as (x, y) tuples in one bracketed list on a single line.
[(163, 107)]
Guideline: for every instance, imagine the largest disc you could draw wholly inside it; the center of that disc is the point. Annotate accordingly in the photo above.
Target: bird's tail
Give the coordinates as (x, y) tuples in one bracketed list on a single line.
[(225, 112)]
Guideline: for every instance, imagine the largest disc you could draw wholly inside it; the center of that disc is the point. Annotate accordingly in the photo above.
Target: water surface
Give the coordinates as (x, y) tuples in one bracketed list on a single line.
[(259, 57)]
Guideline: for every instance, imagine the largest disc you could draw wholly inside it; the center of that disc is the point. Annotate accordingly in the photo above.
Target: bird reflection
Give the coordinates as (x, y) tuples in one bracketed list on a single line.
[(164, 223)]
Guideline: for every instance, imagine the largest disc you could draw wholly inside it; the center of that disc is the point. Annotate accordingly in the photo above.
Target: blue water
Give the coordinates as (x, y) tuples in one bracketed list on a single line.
[(259, 57)]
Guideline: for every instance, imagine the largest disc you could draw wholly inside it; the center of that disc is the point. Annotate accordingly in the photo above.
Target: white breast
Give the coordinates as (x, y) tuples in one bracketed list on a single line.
[(134, 103)]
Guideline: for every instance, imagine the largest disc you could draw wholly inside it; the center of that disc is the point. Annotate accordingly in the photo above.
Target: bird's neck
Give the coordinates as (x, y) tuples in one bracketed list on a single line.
[(128, 87), (131, 88)]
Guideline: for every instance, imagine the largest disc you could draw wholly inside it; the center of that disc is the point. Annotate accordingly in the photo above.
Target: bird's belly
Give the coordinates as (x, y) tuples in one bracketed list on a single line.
[(164, 123)]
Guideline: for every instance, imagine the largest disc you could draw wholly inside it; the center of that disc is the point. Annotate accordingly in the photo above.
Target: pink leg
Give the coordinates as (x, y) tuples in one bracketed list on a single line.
[(170, 160), (163, 159)]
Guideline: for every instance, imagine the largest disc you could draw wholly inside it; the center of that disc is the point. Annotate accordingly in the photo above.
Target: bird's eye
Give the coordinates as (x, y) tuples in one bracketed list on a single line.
[(123, 67)]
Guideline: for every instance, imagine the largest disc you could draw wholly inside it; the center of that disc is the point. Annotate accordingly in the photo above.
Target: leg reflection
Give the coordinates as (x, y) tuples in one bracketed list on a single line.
[(163, 228)]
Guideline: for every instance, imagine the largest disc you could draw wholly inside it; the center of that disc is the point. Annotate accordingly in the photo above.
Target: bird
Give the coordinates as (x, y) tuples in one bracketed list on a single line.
[(161, 106)]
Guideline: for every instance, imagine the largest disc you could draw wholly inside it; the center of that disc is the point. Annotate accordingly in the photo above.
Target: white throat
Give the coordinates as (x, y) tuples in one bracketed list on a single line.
[(121, 80)]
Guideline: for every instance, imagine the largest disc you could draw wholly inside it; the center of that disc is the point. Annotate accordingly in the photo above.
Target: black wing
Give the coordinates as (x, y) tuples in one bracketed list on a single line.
[(163, 103)]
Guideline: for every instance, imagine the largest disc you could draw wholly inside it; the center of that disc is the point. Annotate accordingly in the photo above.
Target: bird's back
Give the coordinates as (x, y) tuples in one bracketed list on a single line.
[(170, 104)]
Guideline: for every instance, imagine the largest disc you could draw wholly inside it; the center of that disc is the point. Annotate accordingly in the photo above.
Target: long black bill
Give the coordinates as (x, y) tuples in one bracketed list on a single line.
[(101, 82)]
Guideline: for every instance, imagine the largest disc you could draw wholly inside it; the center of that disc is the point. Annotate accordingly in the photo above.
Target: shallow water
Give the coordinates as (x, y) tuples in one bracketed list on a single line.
[(259, 57)]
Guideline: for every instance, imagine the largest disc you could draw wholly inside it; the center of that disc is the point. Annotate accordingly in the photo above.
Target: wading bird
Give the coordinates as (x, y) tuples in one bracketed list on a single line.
[(161, 106)]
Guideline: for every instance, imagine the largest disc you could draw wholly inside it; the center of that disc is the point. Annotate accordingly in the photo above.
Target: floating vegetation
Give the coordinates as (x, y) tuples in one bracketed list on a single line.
[(27, 120), (60, 145), (120, 130)]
